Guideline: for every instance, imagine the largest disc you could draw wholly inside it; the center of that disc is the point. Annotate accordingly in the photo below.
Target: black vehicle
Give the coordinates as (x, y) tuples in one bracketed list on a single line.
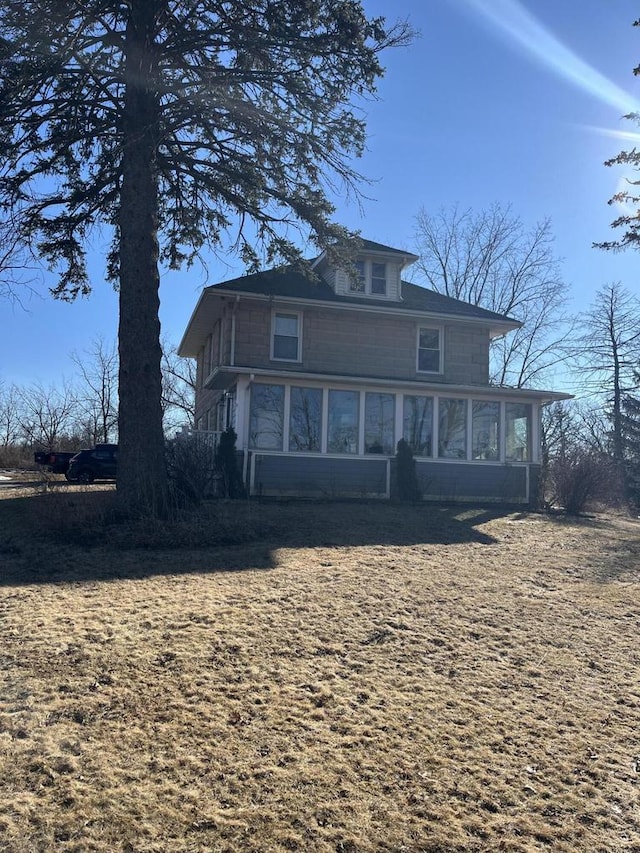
[(56, 461), (99, 463)]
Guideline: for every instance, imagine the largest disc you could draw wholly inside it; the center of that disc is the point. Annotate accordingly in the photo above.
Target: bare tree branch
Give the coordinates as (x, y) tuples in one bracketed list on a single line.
[(491, 260)]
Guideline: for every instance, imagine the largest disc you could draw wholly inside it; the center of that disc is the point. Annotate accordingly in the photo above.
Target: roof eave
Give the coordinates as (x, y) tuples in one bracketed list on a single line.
[(496, 326)]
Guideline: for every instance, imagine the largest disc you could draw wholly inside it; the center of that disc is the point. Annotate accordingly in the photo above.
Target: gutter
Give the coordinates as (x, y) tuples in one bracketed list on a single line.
[(497, 327), (491, 392)]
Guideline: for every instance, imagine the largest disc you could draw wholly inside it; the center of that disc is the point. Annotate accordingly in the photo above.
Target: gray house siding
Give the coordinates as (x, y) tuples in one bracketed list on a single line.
[(455, 481), (355, 343), (318, 476), (275, 475)]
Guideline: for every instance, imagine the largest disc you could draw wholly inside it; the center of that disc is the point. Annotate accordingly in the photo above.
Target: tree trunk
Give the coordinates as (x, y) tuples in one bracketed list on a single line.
[(142, 475), (618, 440)]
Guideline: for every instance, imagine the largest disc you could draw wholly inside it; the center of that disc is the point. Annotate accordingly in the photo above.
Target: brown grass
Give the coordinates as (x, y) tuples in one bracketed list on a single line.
[(357, 678)]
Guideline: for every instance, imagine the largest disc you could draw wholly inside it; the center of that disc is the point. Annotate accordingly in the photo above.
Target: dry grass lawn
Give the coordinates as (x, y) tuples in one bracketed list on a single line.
[(356, 678)]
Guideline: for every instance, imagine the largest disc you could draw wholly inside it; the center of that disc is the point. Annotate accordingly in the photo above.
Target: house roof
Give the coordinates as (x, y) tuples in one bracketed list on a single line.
[(297, 285), (294, 284), (371, 246)]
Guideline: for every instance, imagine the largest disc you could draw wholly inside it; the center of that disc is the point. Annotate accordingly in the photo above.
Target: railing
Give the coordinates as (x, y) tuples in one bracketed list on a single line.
[(206, 437)]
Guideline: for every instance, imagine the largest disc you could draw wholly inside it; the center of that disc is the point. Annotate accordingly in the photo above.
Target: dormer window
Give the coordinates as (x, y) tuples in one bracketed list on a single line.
[(379, 279), (358, 285), (371, 278)]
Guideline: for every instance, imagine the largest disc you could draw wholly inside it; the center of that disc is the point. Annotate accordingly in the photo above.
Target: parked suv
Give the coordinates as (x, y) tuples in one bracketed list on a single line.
[(99, 463)]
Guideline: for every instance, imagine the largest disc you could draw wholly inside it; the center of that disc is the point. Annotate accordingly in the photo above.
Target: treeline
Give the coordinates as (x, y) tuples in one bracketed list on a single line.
[(591, 448), (82, 410), (580, 466)]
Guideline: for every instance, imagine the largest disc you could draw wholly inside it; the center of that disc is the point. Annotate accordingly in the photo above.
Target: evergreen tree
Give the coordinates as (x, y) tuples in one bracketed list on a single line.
[(173, 123)]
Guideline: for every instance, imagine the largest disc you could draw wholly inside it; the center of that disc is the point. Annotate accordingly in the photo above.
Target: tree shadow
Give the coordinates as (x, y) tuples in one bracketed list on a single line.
[(618, 557), (70, 537)]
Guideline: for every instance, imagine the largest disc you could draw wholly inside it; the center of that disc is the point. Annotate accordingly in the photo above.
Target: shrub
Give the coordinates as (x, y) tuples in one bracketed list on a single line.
[(191, 463), (581, 477), (407, 479), (226, 460)]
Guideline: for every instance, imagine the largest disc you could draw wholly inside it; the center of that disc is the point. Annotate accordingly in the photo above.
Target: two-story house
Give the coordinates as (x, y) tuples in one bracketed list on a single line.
[(320, 378)]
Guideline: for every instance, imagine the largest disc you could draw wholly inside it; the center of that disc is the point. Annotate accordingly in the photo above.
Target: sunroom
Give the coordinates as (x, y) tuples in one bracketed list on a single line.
[(307, 437)]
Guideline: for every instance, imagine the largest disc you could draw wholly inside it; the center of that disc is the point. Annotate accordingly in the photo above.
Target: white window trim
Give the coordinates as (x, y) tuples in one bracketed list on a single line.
[(440, 331), (297, 314), (243, 422), (368, 278)]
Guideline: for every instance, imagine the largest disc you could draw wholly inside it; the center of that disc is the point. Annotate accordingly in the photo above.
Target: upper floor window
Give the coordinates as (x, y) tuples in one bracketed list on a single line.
[(379, 279), (371, 278), (285, 338), (358, 284), (429, 350)]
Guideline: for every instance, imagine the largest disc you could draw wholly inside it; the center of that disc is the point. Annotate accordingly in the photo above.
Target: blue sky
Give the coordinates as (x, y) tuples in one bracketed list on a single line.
[(518, 105)]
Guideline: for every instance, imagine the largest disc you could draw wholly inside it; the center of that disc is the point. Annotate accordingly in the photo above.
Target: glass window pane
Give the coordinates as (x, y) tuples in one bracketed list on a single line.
[(305, 419), (285, 347), (287, 324), (429, 350), (485, 440), (379, 420), (343, 422), (266, 416), (430, 338), (428, 360), (418, 424), (452, 426), (379, 278), (357, 284), (286, 336), (518, 431)]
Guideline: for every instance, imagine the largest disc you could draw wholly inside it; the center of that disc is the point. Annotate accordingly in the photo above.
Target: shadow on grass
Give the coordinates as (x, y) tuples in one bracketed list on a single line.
[(617, 557), (67, 537)]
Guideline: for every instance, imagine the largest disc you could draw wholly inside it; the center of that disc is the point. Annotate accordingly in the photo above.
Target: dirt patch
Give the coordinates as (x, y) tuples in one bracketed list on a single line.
[(359, 678)]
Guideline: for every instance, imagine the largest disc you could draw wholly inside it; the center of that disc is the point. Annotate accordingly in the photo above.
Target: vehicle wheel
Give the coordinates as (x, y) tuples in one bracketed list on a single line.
[(85, 477)]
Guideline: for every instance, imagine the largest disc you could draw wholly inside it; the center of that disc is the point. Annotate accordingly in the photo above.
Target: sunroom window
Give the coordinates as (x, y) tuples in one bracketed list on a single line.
[(518, 431), (418, 424), (379, 419), (485, 430), (305, 419), (452, 428), (266, 417), (343, 421)]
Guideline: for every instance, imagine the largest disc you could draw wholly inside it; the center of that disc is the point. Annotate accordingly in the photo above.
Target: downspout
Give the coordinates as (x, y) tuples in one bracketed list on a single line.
[(245, 431), (232, 360)]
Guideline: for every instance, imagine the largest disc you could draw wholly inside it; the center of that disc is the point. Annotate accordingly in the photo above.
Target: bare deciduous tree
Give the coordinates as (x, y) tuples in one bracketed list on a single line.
[(490, 259), (178, 389), (47, 414), (607, 354), (10, 421), (98, 390)]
